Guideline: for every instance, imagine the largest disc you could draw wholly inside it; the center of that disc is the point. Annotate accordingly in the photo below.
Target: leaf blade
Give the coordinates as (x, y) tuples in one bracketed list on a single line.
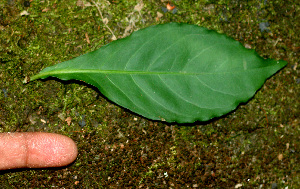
[(174, 72)]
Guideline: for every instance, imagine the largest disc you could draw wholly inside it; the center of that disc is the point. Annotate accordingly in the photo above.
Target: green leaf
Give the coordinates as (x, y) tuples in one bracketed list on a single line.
[(172, 72)]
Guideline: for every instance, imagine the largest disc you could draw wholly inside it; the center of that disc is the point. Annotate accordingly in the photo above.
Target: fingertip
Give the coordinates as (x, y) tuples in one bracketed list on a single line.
[(50, 150)]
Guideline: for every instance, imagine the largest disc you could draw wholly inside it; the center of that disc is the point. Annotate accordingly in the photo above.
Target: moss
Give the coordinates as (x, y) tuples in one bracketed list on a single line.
[(120, 149)]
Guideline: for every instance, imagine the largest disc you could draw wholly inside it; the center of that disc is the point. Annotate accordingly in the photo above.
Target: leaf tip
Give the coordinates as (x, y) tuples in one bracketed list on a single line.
[(283, 62)]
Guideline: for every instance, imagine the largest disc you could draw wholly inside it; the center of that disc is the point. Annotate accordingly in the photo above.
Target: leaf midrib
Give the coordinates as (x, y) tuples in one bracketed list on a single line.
[(128, 72)]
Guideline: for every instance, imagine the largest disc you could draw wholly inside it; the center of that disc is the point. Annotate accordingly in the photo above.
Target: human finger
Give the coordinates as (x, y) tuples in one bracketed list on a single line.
[(35, 150)]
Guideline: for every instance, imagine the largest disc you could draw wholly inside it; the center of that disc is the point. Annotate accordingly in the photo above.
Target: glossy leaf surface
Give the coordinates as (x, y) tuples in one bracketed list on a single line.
[(172, 72)]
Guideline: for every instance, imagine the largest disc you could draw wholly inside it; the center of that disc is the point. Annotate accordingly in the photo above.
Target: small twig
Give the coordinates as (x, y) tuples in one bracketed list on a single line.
[(105, 23)]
